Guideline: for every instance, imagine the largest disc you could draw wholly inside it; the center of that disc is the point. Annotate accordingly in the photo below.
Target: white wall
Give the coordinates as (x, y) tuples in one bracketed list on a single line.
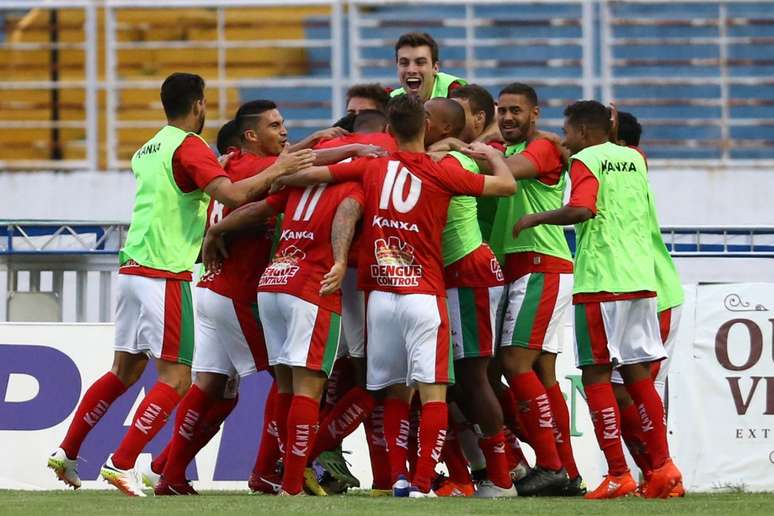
[(684, 197)]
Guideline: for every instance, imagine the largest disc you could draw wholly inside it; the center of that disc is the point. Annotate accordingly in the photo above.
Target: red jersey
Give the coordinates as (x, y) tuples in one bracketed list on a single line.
[(250, 251), (382, 140), (406, 202), (304, 254)]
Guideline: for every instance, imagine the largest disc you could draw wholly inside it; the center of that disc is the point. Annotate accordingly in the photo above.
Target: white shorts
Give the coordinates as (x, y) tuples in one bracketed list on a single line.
[(408, 340), (229, 336), (533, 309), (298, 333), (473, 319), (352, 317), (617, 332), (154, 316), (669, 322)]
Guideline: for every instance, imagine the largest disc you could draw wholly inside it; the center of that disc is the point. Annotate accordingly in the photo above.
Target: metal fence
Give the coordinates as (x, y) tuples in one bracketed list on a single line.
[(80, 88)]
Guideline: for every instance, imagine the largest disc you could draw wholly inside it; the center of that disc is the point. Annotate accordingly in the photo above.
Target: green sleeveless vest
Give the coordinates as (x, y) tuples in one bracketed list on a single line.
[(615, 248), (461, 236), (167, 225), (440, 86), (668, 287)]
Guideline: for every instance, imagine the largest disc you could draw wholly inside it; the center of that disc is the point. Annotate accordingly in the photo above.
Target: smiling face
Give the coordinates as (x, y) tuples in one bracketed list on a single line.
[(416, 70), (574, 137), (516, 117), (269, 135)]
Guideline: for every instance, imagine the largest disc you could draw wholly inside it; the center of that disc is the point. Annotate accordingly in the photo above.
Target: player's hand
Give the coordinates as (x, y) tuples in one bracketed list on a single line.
[(223, 159), (331, 282), (479, 150), (370, 151), (329, 134), (526, 222), (292, 162), (214, 251), (446, 145)]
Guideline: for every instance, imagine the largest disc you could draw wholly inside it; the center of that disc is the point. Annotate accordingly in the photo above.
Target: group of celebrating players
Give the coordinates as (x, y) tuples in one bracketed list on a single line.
[(406, 260)]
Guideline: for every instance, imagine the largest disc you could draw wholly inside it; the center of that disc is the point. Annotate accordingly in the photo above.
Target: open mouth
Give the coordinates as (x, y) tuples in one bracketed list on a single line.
[(413, 83)]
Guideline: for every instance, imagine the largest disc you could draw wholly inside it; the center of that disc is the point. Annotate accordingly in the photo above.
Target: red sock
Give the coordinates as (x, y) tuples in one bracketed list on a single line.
[(281, 411), (150, 418), (210, 426), (454, 459), (343, 419), (396, 433), (268, 451), (496, 459), (413, 442), (92, 407), (651, 410), (340, 381), (511, 420), (432, 434), (302, 427), (562, 430), (377, 448), (631, 432), (188, 424), (536, 415), (515, 453), (607, 425)]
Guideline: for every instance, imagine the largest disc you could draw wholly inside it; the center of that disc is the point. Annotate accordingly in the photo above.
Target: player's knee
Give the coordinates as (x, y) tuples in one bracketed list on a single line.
[(128, 367), (177, 376)]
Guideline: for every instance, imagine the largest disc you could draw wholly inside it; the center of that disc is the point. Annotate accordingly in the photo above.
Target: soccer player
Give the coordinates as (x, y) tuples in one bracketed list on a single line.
[(474, 286), (231, 343), (401, 269), (299, 303), (176, 174), (416, 55), (366, 97), (538, 273), (228, 138), (614, 292), (669, 293)]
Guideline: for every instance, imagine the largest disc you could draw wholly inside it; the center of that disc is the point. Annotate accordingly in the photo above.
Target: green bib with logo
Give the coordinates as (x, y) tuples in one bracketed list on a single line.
[(440, 86)]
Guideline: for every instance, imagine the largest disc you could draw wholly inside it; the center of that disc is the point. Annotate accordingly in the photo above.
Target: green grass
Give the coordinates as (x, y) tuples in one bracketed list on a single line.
[(111, 502)]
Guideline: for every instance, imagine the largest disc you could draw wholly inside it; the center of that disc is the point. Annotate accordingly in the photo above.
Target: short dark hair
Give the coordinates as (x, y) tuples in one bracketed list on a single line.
[(417, 39), (369, 121), (346, 122), (247, 114), (373, 91), (479, 99), (179, 92), (406, 116), (519, 88), (228, 136), (629, 129), (589, 113)]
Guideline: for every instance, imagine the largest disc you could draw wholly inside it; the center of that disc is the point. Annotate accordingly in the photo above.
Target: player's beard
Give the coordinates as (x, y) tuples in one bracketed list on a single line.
[(201, 123)]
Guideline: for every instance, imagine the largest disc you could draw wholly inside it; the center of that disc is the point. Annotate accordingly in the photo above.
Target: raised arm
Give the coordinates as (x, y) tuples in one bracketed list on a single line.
[(248, 216), (347, 215), (500, 183), (236, 194), (352, 150), (314, 138)]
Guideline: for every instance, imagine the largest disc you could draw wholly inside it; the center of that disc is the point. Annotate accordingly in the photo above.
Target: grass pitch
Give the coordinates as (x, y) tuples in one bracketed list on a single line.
[(359, 503)]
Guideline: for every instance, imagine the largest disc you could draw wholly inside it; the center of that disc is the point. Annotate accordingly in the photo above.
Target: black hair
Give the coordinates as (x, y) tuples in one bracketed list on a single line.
[(179, 92), (519, 88), (248, 113), (228, 136), (369, 121), (372, 91), (479, 99), (589, 113), (346, 122), (629, 129), (406, 116), (417, 39)]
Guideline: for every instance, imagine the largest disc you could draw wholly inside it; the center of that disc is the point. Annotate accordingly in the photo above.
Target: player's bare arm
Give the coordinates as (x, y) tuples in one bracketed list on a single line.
[(557, 141), (564, 216), (446, 145), (501, 182), (309, 176), (318, 136), (343, 230), (236, 194), (250, 215), (353, 150)]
